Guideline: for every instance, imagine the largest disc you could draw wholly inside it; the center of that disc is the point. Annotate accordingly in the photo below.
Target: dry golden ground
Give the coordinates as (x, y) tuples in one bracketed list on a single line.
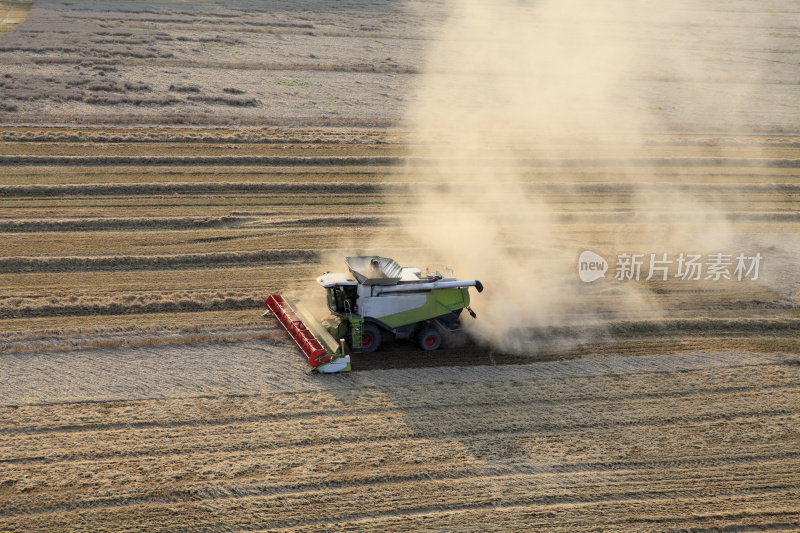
[(711, 448), (13, 14), (102, 261)]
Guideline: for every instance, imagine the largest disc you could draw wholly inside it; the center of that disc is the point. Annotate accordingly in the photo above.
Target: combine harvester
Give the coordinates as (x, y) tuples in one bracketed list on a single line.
[(380, 302)]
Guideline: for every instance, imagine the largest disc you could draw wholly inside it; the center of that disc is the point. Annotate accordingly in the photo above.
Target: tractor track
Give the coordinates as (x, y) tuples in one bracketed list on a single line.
[(700, 479), (317, 430), (251, 511), (506, 427), (97, 431), (761, 458), (507, 398), (494, 517), (671, 489)]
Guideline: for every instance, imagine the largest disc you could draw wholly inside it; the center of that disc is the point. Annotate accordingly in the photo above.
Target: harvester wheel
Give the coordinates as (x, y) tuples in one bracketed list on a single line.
[(370, 338), (430, 339)]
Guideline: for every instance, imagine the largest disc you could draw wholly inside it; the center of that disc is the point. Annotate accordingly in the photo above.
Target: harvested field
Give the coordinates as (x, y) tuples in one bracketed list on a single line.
[(166, 166), (700, 441)]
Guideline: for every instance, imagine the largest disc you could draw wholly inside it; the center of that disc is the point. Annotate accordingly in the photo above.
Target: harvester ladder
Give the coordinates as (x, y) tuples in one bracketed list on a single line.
[(356, 325)]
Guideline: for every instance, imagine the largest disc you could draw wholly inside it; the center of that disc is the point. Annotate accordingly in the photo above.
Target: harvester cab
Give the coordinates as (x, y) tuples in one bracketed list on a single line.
[(377, 302)]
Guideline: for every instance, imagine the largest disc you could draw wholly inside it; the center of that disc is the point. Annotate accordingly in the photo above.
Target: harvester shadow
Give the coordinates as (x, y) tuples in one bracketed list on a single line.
[(400, 355), (448, 414), (404, 355)]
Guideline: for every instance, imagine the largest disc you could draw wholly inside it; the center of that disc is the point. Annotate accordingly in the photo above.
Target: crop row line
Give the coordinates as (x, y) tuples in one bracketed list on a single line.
[(350, 188), (154, 262), (22, 160), (304, 442), (516, 498), (329, 412)]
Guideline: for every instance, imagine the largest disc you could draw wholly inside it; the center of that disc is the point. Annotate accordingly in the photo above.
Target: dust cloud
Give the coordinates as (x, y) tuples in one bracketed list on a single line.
[(512, 92)]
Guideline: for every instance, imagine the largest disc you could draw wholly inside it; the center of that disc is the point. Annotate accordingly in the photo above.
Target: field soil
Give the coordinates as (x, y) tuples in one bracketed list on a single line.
[(164, 167), (242, 437)]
